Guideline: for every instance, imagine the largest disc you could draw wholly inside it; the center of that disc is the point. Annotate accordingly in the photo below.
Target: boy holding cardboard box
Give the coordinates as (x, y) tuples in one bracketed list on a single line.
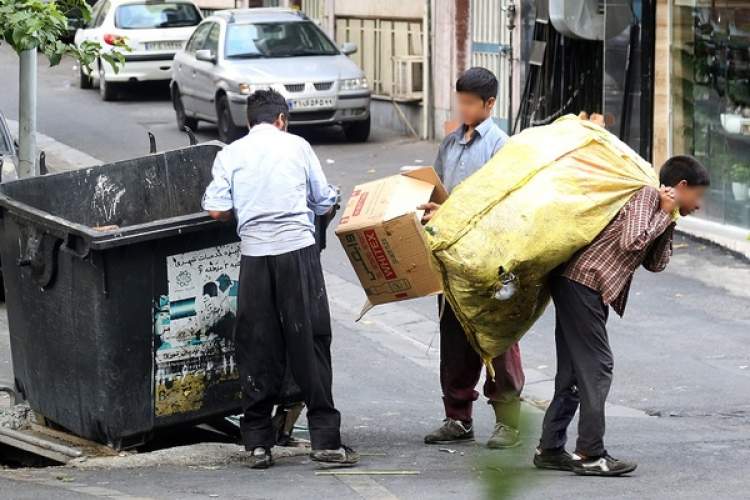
[(463, 152)]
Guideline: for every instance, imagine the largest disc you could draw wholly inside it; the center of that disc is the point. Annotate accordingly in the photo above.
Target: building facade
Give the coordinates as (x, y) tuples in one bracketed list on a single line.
[(706, 97)]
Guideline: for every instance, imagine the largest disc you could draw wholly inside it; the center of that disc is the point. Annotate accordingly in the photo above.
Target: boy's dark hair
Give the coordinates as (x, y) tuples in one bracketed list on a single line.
[(684, 168), (478, 81), (264, 106)]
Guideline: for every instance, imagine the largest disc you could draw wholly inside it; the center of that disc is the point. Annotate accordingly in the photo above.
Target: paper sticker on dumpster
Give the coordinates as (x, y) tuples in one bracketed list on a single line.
[(193, 327)]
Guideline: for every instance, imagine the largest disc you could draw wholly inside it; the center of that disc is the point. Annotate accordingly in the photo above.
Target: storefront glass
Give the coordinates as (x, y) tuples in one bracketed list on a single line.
[(710, 89)]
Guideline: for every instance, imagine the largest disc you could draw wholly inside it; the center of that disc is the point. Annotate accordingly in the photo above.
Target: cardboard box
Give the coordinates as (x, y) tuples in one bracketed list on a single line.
[(384, 239)]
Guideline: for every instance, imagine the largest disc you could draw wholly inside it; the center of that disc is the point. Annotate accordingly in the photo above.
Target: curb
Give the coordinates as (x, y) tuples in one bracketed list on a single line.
[(734, 240), (60, 157)]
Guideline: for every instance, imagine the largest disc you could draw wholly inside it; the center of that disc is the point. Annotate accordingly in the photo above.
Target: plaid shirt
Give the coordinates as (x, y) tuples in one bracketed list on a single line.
[(640, 234)]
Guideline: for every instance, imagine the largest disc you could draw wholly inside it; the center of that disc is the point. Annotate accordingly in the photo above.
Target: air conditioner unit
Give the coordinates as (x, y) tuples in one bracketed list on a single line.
[(407, 78), (587, 19)]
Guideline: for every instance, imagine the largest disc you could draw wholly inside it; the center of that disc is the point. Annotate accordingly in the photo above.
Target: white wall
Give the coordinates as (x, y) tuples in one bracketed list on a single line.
[(409, 9)]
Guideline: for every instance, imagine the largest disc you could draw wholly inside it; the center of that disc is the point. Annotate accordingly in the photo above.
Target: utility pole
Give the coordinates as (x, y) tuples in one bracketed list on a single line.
[(27, 164)]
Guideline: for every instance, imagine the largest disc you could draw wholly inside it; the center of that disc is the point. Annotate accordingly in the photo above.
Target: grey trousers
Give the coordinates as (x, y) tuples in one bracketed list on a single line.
[(584, 368)]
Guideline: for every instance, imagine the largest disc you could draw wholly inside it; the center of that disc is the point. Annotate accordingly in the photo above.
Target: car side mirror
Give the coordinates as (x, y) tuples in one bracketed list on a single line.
[(348, 48), (205, 55)]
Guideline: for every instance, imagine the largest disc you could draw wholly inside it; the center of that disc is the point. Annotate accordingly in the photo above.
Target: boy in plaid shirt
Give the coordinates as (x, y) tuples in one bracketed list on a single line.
[(599, 276)]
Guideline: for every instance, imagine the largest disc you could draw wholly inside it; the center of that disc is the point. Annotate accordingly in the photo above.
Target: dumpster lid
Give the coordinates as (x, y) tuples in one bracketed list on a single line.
[(120, 203)]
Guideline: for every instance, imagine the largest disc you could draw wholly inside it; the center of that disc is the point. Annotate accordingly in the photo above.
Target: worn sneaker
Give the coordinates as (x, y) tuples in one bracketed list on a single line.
[(261, 458), (452, 431), (558, 459), (604, 465), (342, 457), (503, 437)]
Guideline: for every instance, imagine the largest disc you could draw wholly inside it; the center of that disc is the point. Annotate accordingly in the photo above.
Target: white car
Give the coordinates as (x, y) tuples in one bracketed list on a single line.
[(154, 30)]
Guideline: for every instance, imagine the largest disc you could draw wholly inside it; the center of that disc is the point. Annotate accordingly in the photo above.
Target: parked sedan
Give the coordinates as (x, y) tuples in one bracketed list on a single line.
[(233, 53), (153, 30)]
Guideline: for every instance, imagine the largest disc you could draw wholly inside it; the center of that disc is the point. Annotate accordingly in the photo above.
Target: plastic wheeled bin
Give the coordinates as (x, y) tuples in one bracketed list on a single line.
[(121, 296)]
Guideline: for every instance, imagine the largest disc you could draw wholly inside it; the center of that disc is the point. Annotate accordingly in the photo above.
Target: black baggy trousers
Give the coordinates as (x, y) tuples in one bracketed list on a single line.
[(283, 316), (584, 368)]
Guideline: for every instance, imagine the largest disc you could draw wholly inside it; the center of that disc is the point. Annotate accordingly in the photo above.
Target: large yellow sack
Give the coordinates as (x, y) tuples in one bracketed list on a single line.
[(546, 194)]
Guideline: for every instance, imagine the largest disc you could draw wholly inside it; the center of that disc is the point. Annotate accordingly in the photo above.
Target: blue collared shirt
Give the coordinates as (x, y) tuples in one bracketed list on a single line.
[(458, 158), (274, 183)]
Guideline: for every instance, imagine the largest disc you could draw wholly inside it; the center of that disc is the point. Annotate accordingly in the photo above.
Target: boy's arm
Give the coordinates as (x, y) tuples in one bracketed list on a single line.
[(645, 221), (321, 196), (658, 255), (431, 207), (217, 199)]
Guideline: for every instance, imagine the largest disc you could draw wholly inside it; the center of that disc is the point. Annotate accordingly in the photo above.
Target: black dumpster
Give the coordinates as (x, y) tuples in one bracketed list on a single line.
[(121, 296)]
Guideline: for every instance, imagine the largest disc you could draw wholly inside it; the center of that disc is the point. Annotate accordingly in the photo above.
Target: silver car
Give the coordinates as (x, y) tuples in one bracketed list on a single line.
[(236, 52)]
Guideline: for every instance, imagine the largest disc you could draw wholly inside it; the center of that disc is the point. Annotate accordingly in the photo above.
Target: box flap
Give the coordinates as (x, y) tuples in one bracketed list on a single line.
[(407, 194), (428, 174), (391, 197)]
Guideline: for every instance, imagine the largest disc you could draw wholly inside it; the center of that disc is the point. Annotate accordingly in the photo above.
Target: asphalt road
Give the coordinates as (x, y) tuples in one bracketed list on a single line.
[(680, 399)]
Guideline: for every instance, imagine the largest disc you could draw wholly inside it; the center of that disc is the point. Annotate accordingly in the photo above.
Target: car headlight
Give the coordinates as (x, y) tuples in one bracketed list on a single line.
[(249, 88), (353, 84)]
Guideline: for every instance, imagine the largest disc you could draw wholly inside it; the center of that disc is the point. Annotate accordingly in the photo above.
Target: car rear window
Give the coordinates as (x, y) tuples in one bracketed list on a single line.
[(149, 15)]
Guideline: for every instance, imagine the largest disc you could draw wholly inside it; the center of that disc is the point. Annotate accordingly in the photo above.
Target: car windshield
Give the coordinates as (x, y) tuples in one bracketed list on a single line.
[(292, 39), (149, 15)]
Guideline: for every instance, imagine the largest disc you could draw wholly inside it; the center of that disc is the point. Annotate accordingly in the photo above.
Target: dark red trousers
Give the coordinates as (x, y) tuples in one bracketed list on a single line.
[(461, 367)]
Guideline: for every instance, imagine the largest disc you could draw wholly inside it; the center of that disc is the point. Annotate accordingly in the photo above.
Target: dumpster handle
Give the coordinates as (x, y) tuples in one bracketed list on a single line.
[(151, 143), (39, 252), (191, 136)]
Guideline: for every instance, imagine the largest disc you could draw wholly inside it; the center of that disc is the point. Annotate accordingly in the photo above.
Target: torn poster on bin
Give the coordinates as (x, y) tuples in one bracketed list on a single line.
[(193, 327)]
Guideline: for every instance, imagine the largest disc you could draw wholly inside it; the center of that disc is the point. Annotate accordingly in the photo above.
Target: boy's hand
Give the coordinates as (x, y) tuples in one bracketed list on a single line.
[(668, 199), (594, 118), (429, 210)]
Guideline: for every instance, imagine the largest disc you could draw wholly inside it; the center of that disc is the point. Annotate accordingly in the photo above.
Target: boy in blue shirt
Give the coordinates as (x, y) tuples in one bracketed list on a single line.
[(463, 152)]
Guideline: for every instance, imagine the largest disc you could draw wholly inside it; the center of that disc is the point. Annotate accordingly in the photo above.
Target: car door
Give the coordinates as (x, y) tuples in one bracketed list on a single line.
[(204, 74), (184, 70)]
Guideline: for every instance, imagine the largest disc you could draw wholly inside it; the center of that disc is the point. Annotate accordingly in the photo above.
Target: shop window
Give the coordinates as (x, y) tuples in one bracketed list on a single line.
[(710, 87)]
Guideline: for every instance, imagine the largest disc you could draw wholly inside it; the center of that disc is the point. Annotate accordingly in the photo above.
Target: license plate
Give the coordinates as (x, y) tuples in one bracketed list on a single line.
[(163, 45), (312, 103)]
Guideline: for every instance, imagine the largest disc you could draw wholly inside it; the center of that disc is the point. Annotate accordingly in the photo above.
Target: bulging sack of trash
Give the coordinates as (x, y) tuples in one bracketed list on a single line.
[(545, 195)]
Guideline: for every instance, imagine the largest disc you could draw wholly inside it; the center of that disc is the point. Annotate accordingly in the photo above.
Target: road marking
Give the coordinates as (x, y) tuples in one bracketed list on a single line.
[(367, 488), (92, 491)]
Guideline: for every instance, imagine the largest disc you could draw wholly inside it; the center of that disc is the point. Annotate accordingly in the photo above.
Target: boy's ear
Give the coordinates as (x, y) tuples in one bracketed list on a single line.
[(281, 122), (491, 102)]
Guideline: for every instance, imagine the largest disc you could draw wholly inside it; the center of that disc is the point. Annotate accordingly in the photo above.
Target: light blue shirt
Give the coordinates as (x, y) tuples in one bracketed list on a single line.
[(274, 183), (458, 158)]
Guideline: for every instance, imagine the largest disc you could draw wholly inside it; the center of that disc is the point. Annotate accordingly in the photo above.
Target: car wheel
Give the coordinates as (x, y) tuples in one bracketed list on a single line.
[(358, 131), (179, 109), (85, 81), (107, 90), (228, 131)]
